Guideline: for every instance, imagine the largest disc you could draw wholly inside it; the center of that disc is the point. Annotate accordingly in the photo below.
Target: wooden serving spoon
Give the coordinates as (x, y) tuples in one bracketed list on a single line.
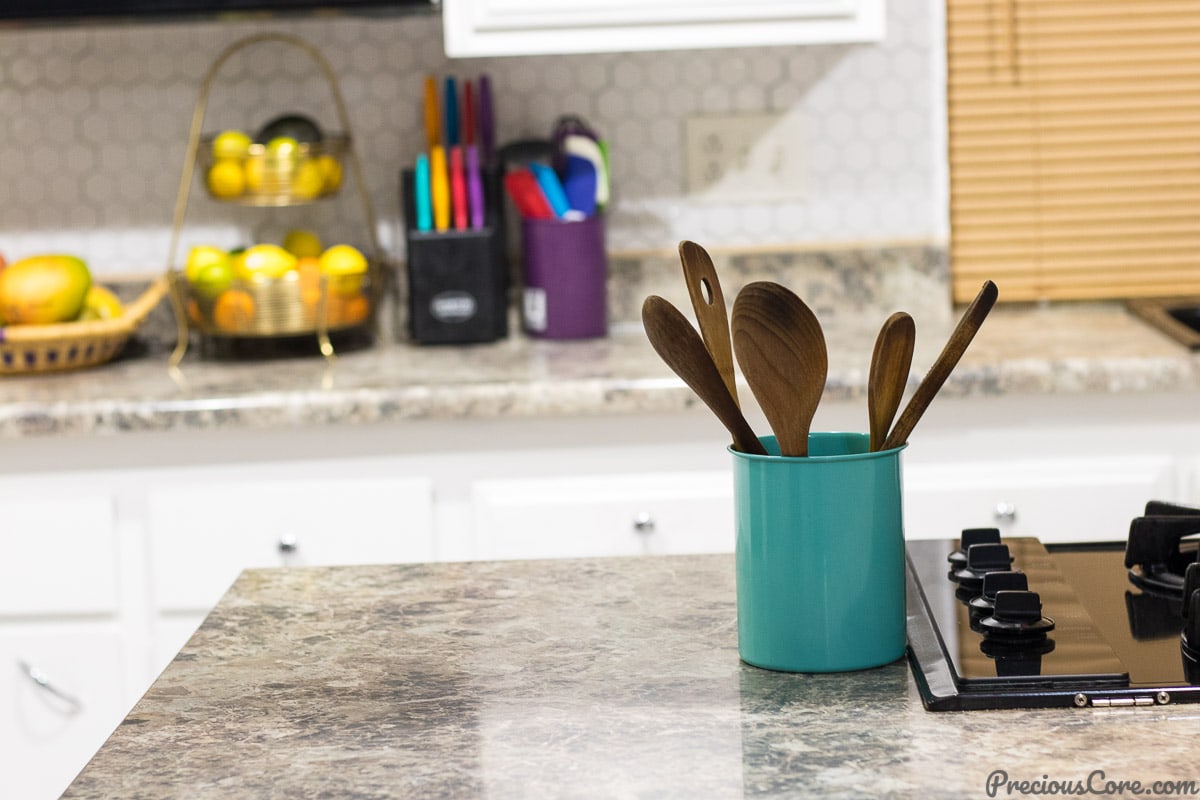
[(890, 362), (709, 305), (678, 344), (960, 337), (781, 350)]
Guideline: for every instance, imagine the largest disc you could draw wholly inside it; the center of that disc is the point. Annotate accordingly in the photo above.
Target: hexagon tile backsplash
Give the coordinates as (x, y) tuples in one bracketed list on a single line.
[(94, 124)]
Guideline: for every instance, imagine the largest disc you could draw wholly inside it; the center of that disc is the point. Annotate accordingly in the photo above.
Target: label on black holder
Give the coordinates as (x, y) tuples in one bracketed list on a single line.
[(452, 306)]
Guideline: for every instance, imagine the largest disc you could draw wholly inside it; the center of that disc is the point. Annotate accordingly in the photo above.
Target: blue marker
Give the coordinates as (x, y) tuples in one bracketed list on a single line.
[(552, 187), (421, 190)]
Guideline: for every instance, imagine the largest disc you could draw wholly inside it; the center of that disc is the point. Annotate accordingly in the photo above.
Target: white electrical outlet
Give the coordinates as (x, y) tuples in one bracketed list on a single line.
[(746, 157)]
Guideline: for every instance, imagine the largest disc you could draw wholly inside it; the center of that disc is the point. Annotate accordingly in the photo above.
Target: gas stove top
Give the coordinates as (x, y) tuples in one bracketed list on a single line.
[(1015, 623)]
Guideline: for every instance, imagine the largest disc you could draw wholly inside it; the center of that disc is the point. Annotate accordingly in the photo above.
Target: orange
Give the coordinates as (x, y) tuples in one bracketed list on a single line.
[(193, 312), (342, 311), (234, 310), (309, 270)]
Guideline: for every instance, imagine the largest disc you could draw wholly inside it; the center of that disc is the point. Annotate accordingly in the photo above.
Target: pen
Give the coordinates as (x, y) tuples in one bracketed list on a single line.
[(468, 116), (551, 187), (458, 188), (421, 190), (433, 124), (475, 188), (487, 121), (450, 100), (439, 188)]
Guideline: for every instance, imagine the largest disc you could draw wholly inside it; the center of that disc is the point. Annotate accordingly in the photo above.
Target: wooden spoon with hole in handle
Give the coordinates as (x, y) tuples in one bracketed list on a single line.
[(709, 304), (678, 344), (890, 362), (781, 350), (960, 337)]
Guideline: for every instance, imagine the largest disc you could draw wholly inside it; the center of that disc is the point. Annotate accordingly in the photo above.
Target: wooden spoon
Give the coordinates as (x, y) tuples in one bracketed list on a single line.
[(709, 305), (678, 344), (960, 337), (890, 363), (781, 350)]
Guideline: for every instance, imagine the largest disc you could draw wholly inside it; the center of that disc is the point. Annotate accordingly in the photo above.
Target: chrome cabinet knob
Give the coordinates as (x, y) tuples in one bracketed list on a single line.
[(288, 543), (643, 523), (1005, 512), (39, 677)]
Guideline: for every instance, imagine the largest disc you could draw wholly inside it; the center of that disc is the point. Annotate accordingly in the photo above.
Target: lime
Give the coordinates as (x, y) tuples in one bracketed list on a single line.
[(283, 147), (202, 256), (302, 243), (226, 179), (230, 144)]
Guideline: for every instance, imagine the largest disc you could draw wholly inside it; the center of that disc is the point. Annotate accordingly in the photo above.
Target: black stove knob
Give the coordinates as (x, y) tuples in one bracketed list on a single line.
[(968, 537), (1017, 615), (984, 603), (982, 559), (1189, 639), (1191, 584)]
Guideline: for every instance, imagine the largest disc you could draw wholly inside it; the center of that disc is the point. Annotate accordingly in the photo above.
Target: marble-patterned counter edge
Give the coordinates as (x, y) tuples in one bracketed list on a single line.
[(1021, 350)]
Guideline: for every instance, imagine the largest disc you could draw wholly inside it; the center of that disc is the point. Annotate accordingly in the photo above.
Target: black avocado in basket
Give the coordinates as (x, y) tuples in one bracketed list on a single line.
[(297, 126)]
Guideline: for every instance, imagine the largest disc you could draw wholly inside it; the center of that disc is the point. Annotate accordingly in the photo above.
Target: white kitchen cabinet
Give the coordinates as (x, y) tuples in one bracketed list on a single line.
[(60, 698), (71, 529), (203, 534), (529, 27), (1055, 500), (604, 515)]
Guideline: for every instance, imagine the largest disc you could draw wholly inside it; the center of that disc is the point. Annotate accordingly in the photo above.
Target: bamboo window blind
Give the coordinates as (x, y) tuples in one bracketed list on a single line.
[(1074, 147)]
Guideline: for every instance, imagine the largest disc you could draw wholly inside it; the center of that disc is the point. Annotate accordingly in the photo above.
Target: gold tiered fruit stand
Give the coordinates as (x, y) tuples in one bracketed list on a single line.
[(283, 305)]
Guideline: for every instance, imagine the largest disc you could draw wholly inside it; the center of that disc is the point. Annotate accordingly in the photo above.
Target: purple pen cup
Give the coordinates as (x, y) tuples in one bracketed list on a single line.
[(566, 270)]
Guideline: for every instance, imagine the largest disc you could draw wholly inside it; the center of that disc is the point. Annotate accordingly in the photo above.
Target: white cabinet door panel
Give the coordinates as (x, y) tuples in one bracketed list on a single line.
[(48, 732), (201, 537), (604, 515), (1054, 500), (58, 553), (528, 27)]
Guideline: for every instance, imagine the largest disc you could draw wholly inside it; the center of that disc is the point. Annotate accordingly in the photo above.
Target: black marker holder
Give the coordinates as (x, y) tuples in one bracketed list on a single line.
[(458, 280)]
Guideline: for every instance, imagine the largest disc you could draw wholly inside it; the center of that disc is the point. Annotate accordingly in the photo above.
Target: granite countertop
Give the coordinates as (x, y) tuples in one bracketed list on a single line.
[(1026, 349), (572, 678)]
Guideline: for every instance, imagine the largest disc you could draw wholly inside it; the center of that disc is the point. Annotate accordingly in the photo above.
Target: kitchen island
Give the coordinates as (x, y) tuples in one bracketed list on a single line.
[(568, 678)]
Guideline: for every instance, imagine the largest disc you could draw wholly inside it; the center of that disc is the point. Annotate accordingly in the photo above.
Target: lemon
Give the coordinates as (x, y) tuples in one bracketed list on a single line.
[(264, 261), (230, 144), (309, 180), (255, 171), (100, 303), (226, 179), (331, 170), (302, 244), (343, 259)]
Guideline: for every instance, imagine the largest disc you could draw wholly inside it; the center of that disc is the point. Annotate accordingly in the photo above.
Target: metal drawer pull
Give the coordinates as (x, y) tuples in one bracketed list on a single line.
[(643, 522), (39, 677), (288, 543)]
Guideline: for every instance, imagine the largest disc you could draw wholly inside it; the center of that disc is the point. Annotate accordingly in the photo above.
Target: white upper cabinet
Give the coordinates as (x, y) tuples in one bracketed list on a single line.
[(532, 27)]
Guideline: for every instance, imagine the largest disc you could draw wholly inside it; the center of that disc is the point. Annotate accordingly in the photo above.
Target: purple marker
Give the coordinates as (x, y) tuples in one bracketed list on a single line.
[(487, 120), (475, 187)]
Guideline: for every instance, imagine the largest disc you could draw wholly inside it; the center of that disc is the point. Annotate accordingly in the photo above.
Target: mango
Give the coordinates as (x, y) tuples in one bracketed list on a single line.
[(100, 303), (43, 289)]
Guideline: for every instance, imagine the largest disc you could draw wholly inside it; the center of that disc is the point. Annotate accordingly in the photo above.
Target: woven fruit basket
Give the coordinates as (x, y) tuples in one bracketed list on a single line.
[(27, 349)]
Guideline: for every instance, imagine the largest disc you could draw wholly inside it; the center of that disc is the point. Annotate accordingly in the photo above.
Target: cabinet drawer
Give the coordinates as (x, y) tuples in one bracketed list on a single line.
[(48, 732), (202, 536), (604, 515), (1053, 499), (58, 554)]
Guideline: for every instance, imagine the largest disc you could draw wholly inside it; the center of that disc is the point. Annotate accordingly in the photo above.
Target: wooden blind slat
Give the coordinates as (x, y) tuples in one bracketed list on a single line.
[(1074, 147)]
